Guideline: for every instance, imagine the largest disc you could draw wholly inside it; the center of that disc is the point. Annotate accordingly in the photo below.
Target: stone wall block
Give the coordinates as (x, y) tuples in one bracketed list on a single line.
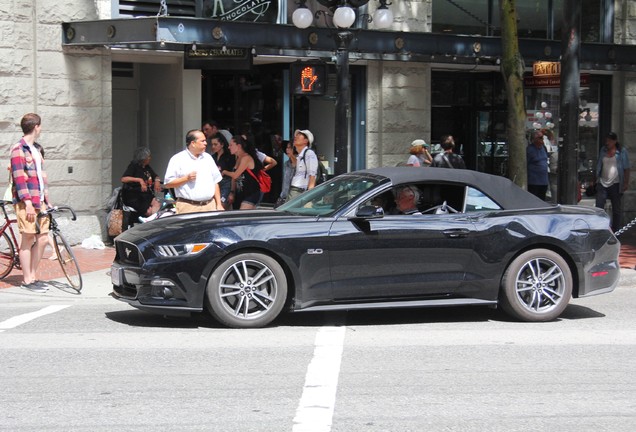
[(86, 93), (85, 67), (404, 98), (400, 143), (88, 197), (405, 77), (630, 106), (15, 35), (54, 11), (374, 161), (85, 172), (52, 65), (630, 29), (53, 92), (19, 11), (10, 116), (60, 66), (630, 85), (50, 37), (7, 31), (398, 120), (15, 62), (71, 145), (74, 119), (373, 121)]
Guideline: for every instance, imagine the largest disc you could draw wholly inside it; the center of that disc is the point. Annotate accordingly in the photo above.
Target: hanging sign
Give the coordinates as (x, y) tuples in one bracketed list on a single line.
[(242, 10), (545, 69), (217, 58), (551, 81)]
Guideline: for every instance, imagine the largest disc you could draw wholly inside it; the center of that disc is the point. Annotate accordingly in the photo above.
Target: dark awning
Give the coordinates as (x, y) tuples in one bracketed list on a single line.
[(177, 33)]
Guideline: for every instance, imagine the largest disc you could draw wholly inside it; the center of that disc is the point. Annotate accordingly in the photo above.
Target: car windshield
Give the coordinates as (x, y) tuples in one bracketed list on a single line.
[(330, 196)]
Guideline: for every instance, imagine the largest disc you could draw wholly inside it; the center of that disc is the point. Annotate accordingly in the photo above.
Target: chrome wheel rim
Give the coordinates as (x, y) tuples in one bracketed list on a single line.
[(540, 285), (248, 289)]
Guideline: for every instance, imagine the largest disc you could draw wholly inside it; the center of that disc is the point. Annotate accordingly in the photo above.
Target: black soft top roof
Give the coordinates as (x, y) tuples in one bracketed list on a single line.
[(502, 190)]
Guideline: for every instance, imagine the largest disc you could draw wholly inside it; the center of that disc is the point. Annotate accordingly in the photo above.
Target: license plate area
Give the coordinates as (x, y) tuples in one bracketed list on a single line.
[(117, 276)]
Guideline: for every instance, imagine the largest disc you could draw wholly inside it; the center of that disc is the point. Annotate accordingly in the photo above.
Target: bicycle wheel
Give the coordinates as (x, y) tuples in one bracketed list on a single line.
[(7, 255), (67, 260)]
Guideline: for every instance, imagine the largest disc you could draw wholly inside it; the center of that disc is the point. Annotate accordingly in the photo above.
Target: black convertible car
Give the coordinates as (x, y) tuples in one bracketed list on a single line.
[(477, 240)]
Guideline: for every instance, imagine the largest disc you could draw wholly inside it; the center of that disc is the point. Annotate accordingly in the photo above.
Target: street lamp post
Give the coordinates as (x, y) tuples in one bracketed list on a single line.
[(343, 102), (343, 17)]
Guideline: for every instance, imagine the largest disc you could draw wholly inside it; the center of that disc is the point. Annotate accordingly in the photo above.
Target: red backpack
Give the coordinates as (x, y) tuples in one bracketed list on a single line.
[(263, 179)]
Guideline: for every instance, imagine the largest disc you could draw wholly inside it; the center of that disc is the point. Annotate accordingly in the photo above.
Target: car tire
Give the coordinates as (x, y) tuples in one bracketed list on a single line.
[(536, 286), (247, 290)]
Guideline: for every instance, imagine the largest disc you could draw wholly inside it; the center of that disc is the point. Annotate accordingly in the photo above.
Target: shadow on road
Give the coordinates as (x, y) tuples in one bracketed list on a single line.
[(138, 318), (384, 317)]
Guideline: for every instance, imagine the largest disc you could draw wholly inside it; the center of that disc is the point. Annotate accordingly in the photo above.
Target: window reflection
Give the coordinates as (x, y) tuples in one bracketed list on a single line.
[(537, 19)]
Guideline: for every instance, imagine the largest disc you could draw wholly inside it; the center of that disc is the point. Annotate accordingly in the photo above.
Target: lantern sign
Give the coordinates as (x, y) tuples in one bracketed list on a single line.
[(309, 78)]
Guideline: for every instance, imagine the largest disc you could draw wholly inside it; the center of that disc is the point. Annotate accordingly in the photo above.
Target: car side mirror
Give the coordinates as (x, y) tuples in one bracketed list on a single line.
[(370, 212)]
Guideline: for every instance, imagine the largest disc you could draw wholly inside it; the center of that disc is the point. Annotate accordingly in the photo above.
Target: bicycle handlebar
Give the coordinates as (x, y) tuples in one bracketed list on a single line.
[(58, 209), (50, 211)]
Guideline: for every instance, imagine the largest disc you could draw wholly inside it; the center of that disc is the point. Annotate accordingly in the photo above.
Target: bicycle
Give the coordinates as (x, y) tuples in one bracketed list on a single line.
[(9, 250), (63, 250)]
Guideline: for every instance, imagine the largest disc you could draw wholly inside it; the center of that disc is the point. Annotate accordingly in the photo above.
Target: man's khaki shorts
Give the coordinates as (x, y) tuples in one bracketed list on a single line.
[(182, 207), (26, 227)]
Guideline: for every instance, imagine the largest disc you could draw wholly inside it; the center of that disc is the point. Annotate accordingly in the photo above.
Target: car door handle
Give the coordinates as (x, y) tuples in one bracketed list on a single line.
[(456, 233)]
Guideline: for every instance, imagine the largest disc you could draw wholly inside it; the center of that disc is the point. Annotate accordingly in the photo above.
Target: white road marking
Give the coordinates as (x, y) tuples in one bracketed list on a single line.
[(24, 318), (316, 406)]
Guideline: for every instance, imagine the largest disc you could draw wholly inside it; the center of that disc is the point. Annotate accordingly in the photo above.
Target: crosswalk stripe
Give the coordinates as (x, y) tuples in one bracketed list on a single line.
[(317, 403), (24, 318)]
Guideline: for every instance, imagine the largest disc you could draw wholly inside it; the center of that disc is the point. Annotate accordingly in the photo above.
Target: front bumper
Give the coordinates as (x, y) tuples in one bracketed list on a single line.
[(168, 286), (152, 293)]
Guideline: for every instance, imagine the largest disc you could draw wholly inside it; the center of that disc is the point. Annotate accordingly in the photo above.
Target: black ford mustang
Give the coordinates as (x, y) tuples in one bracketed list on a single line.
[(479, 240)]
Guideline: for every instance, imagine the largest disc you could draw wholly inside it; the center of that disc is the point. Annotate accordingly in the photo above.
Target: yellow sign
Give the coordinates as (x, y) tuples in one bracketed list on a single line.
[(545, 69)]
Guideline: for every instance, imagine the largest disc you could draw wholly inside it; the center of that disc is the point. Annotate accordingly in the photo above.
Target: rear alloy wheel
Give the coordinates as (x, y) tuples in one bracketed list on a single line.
[(247, 291), (537, 286)]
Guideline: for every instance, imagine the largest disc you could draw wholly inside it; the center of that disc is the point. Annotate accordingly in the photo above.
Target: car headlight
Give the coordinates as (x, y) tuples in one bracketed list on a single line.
[(181, 250)]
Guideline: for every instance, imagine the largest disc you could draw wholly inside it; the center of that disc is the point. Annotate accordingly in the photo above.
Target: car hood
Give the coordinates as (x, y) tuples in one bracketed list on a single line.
[(195, 227)]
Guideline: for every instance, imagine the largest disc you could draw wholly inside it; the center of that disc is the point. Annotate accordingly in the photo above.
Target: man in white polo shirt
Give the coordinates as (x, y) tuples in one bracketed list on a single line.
[(306, 164), (194, 176)]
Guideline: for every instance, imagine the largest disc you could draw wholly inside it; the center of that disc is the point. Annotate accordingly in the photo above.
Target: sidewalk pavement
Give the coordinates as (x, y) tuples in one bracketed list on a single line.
[(95, 265), (90, 260)]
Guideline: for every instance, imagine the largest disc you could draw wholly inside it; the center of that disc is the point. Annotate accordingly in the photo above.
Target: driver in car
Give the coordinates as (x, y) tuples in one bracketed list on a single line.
[(406, 199)]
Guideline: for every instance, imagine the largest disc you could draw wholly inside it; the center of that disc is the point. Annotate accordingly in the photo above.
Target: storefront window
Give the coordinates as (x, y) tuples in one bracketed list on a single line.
[(461, 17), (537, 19), (542, 107), (533, 19)]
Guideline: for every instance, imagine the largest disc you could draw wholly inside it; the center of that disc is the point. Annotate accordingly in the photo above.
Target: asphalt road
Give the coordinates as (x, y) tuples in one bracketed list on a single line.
[(89, 363)]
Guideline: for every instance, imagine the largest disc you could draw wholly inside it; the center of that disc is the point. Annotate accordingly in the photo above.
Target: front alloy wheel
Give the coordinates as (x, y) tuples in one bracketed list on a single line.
[(537, 286), (247, 291)]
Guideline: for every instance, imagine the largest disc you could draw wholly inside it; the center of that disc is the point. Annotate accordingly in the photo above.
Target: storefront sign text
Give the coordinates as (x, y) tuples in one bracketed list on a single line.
[(242, 10), (215, 58), (545, 69)]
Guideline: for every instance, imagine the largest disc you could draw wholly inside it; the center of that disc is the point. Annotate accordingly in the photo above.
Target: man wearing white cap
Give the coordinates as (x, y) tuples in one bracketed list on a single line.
[(306, 164)]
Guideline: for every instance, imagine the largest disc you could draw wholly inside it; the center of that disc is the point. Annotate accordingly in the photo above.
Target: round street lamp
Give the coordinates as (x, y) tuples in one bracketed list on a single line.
[(343, 18)]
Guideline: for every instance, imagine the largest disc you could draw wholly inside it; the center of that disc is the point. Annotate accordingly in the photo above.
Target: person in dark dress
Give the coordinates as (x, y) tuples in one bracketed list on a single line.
[(225, 161), (246, 192), (140, 182)]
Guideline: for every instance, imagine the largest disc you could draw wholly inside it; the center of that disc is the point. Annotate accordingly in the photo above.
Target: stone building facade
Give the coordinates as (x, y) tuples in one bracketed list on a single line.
[(72, 94)]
